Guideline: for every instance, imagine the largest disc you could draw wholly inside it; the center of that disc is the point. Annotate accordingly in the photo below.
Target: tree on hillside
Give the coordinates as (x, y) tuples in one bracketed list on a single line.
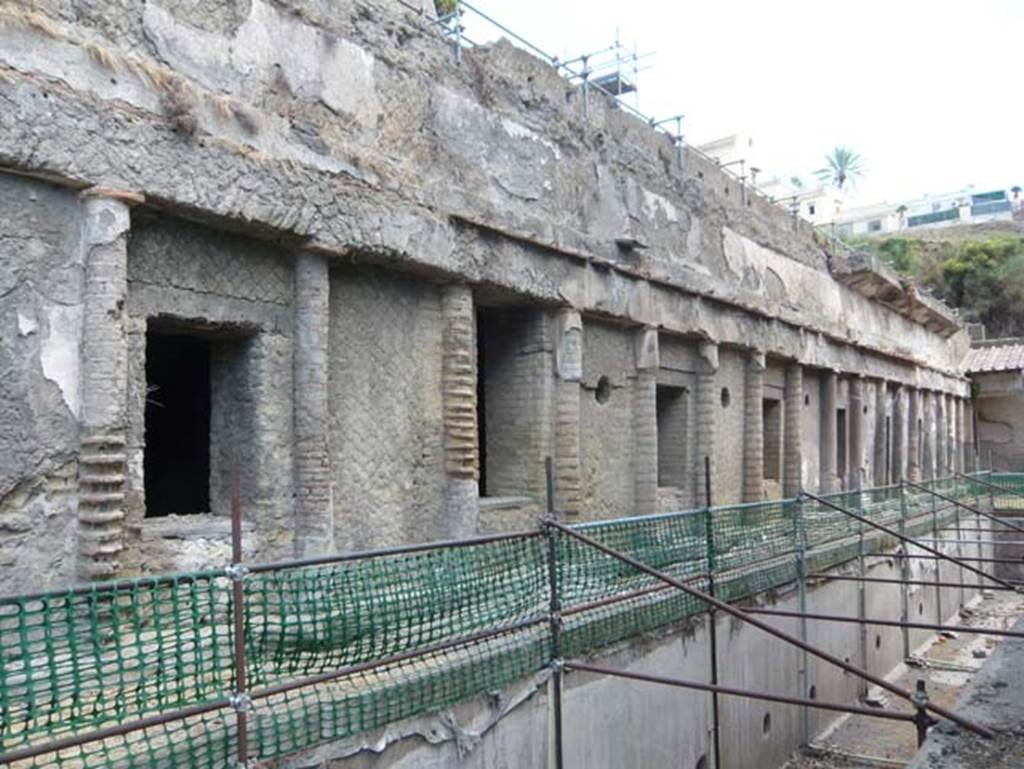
[(982, 277), (843, 167)]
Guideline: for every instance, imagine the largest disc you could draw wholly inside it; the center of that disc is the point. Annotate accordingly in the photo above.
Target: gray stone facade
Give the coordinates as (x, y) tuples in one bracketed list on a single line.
[(404, 282)]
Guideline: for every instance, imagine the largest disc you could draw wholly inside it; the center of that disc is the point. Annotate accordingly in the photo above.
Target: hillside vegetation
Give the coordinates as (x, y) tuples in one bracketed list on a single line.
[(979, 273)]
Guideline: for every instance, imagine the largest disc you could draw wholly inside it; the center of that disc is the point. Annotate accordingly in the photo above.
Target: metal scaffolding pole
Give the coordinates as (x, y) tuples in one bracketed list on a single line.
[(903, 538), (887, 622), (773, 631)]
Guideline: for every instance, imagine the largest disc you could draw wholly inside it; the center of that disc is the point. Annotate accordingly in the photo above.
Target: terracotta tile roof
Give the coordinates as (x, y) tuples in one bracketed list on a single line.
[(996, 355)]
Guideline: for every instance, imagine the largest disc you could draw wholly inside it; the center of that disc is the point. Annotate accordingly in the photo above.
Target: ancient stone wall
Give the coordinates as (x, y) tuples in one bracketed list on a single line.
[(331, 212), (41, 277)]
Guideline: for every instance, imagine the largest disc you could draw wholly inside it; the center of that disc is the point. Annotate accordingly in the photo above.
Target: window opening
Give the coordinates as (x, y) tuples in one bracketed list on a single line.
[(176, 459), (671, 407), (771, 415)]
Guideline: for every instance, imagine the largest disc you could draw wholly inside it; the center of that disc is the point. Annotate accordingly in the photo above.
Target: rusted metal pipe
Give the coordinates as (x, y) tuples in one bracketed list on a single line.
[(989, 484), (895, 581), (332, 675), (886, 622), (240, 700), (767, 628), (970, 508), (612, 599), (448, 544), (910, 540), (748, 693)]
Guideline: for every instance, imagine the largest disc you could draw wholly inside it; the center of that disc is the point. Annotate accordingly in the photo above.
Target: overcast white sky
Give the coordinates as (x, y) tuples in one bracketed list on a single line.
[(930, 92)]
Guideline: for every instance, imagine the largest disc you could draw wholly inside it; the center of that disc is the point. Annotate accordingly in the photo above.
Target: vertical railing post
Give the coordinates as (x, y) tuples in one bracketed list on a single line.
[(919, 698), (240, 699), (585, 76), (904, 578), (862, 607), (457, 42), (960, 555), (554, 617), (991, 529), (938, 563), (803, 671), (709, 531)]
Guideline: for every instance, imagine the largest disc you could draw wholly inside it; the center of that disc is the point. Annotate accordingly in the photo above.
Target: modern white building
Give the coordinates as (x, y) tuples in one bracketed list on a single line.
[(819, 204), (964, 206)]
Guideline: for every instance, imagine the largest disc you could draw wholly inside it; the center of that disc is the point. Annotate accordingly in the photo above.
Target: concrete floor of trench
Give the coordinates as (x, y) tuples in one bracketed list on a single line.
[(882, 743)]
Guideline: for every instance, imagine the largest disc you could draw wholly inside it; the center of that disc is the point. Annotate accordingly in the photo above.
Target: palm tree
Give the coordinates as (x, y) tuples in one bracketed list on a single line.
[(902, 213), (843, 166)]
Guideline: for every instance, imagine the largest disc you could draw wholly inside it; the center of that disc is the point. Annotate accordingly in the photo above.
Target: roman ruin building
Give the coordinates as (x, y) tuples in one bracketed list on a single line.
[(299, 249)]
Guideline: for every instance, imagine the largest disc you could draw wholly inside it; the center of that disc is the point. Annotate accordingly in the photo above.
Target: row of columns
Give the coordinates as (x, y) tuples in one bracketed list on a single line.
[(104, 374)]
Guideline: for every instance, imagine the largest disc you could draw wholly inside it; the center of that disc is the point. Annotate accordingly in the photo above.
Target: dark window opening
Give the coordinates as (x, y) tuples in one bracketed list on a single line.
[(482, 332), (771, 436), (841, 443), (176, 462), (511, 366), (671, 404)]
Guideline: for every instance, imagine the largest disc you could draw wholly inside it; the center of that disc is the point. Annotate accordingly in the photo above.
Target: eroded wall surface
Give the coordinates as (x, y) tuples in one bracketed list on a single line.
[(334, 209)]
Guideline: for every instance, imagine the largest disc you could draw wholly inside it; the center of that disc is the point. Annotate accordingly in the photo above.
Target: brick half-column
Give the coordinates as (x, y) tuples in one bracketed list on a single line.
[(568, 347), (706, 409), (828, 474), (927, 436), (961, 437), (953, 444), (941, 436), (879, 472), (855, 470), (458, 390), (792, 455), (970, 457), (914, 436), (898, 422), (314, 513), (645, 423), (753, 428), (106, 222)]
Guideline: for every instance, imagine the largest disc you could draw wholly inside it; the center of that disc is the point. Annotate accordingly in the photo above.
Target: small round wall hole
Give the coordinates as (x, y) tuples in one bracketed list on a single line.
[(726, 397), (813, 693), (766, 724), (865, 409), (878, 642), (603, 391), (702, 763)]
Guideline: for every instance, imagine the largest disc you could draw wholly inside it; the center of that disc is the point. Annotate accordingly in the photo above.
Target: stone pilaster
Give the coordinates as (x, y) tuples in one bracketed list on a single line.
[(645, 423), (856, 416), (941, 436), (914, 435), (706, 409), (568, 345), (106, 221), (879, 469), (952, 417), (970, 458), (828, 474), (898, 464), (314, 513), (458, 387), (753, 428), (927, 436), (792, 455)]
